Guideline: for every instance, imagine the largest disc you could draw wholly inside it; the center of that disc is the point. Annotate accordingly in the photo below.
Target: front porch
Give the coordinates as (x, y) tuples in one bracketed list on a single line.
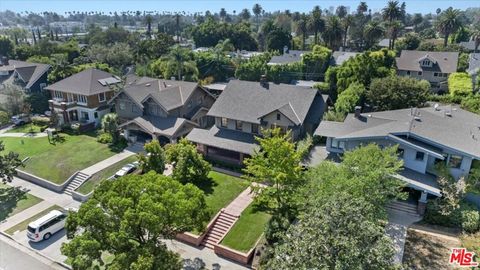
[(426, 186)]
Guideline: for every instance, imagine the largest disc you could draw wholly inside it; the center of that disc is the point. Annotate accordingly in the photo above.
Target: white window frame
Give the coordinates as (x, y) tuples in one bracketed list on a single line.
[(101, 99), (224, 122), (57, 95), (121, 105), (82, 100)]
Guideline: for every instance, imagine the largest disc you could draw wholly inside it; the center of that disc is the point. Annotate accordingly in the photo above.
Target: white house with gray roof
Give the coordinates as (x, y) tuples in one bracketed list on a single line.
[(244, 108), (435, 67), (425, 137), (161, 109)]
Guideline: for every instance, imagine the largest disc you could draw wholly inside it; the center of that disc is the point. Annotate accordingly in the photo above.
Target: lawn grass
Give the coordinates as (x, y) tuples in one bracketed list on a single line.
[(56, 162), (247, 230), (98, 177), (472, 243), (27, 128), (14, 201), (23, 225)]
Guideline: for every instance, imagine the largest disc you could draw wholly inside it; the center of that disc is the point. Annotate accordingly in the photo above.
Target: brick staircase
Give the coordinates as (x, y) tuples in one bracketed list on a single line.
[(404, 206), (76, 182), (220, 228)]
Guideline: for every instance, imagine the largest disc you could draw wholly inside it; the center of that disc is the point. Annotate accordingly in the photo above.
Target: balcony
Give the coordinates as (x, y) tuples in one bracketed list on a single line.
[(62, 104)]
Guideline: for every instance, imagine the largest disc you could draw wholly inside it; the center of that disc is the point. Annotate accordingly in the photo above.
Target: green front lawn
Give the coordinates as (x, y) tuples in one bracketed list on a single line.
[(14, 201), (247, 230), (56, 162), (98, 177), (27, 128), (23, 225)]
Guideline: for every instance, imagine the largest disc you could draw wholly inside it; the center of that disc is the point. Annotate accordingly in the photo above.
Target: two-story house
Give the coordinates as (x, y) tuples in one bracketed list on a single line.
[(435, 67), (162, 109), (32, 77), (245, 108), (82, 97), (425, 137)]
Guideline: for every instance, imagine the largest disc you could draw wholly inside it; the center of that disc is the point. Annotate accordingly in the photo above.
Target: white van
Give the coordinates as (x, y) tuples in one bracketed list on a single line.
[(44, 227)]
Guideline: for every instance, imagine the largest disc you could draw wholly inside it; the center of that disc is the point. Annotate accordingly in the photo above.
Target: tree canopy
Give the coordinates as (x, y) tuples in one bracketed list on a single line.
[(189, 165)]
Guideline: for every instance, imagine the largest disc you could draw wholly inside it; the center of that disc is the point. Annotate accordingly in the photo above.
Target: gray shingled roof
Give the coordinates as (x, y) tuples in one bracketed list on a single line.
[(445, 62), (29, 72), (460, 131), (469, 45), (169, 94), (166, 126), (340, 57), (249, 101), (292, 56), (228, 139), (474, 63), (84, 83)]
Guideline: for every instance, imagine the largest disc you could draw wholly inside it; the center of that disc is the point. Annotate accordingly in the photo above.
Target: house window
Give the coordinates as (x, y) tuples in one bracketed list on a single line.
[(278, 117), (85, 115), (408, 72), (426, 63), (70, 97), (445, 75), (57, 95), (238, 125), (419, 156), (400, 152), (338, 144), (101, 97), (435, 74), (255, 128), (224, 122), (455, 161), (419, 73), (81, 99), (122, 106), (95, 114)]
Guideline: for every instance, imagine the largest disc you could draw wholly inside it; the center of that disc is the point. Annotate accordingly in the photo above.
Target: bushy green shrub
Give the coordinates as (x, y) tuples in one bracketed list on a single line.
[(460, 84), (4, 119), (104, 138), (304, 146), (323, 87), (351, 97), (470, 221), (40, 121)]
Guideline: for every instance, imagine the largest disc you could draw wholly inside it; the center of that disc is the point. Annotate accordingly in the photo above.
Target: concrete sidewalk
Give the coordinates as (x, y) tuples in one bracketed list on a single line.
[(398, 223), (24, 135), (25, 214)]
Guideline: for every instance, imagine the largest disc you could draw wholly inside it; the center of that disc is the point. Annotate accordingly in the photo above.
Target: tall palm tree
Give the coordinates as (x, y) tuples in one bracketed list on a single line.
[(333, 32), (362, 8), (391, 13), (476, 37), (347, 21), (245, 14), (448, 22), (179, 60), (316, 23), (341, 11), (257, 10), (372, 32), (394, 28), (148, 21), (302, 28), (222, 14)]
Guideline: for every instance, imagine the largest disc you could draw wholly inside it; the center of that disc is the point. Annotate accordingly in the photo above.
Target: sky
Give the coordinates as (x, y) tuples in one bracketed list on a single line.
[(60, 6)]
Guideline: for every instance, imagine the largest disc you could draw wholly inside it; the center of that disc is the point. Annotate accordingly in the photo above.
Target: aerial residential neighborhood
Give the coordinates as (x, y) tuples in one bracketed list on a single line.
[(239, 135)]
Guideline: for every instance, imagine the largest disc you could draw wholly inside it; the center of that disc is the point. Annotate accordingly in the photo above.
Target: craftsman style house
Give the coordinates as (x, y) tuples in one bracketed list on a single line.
[(162, 109), (425, 137), (32, 77), (435, 67), (245, 108), (82, 98)]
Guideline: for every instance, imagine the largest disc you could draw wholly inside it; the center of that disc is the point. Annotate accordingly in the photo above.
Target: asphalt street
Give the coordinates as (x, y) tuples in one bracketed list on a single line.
[(16, 257)]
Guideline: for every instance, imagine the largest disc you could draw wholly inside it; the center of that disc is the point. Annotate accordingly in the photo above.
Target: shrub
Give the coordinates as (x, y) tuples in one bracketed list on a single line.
[(104, 138), (459, 84), (4, 119), (470, 221), (351, 97), (471, 103), (323, 87), (304, 146), (40, 121)]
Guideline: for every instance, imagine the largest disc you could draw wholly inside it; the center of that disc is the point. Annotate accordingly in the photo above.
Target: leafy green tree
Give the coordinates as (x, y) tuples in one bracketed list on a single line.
[(277, 164), (110, 126), (336, 232), (8, 163), (277, 39), (316, 62), (154, 160), (452, 190), (117, 56), (245, 14), (6, 47), (392, 11), (316, 24), (448, 22), (153, 48), (214, 64), (410, 41), (4, 118), (302, 28), (38, 101), (189, 165), (129, 218), (253, 68), (460, 84), (351, 97), (397, 92), (372, 32), (41, 59), (179, 62)]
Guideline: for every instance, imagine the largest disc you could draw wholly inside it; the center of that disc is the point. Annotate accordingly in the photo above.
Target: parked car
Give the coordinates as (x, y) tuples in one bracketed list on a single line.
[(127, 169), (44, 227), (20, 119)]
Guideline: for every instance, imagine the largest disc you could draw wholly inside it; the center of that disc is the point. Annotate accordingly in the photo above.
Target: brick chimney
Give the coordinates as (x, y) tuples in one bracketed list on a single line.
[(358, 111), (263, 81)]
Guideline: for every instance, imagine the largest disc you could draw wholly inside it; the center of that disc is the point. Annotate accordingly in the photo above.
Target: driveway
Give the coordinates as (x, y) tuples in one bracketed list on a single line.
[(398, 223), (49, 248), (318, 154)]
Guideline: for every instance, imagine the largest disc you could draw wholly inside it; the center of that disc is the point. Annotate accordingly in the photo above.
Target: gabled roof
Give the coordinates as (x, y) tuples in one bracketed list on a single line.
[(444, 62), (448, 126), (292, 56), (250, 101), (469, 45), (340, 57), (474, 63), (167, 93), (28, 72), (166, 126), (88, 82)]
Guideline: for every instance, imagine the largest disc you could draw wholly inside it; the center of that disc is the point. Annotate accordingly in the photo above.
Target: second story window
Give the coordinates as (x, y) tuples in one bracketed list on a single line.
[(419, 156), (419, 73), (279, 117), (121, 105), (57, 95), (101, 97), (455, 161), (224, 122), (81, 99), (255, 128), (238, 125)]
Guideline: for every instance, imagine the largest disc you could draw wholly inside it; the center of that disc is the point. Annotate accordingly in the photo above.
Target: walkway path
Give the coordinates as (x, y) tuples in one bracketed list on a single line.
[(129, 151), (26, 135), (398, 223), (19, 217), (241, 202)]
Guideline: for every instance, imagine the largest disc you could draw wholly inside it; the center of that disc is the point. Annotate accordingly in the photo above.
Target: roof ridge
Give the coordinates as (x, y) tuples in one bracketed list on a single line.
[(294, 112), (181, 95)]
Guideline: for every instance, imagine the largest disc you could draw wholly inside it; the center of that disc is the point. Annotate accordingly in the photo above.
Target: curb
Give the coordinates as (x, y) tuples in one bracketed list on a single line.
[(62, 264)]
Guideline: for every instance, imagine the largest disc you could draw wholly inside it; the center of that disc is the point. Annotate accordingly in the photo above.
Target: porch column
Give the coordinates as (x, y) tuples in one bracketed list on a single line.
[(422, 203), (126, 133)]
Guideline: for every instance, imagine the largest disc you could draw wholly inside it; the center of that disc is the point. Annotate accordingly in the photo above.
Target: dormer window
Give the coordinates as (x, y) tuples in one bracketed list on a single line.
[(426, 63)]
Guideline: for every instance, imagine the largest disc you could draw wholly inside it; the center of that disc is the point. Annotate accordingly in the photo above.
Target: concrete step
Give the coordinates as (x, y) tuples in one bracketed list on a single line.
[(227, 217), (405, 209), (216, 234), (222, 226), (207, 245), (404, 206), (227, 223)]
